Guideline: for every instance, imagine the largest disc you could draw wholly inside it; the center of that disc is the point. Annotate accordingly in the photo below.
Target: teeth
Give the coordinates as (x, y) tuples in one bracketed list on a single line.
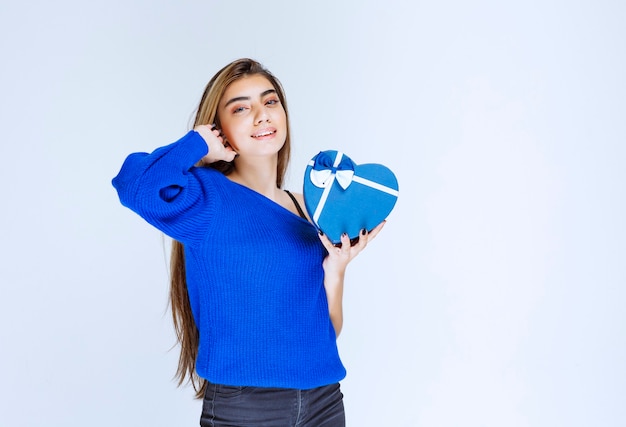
[(263, 134)]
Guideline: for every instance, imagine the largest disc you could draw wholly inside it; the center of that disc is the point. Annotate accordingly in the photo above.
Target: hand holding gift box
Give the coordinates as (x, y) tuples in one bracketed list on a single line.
[(343, 197)]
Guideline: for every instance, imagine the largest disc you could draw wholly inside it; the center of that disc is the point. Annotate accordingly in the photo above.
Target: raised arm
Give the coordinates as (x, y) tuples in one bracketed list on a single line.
[(335, 265), (164, 187)]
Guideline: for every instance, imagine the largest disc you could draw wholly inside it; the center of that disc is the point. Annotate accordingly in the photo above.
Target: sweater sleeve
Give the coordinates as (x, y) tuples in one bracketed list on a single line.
[(164, 188)]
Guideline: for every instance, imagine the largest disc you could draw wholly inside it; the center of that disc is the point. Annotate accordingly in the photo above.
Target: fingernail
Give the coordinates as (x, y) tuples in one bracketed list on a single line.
[(363, 231), (213, 127), (321, 232)]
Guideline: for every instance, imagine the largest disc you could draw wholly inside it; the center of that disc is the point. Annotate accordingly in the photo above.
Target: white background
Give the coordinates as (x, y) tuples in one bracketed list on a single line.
[(494, 296)]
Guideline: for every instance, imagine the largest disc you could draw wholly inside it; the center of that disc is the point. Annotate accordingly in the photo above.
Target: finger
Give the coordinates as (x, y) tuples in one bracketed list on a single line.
[(363, 240), (204, 131), (372, 234), (325, 240), (345, 242)]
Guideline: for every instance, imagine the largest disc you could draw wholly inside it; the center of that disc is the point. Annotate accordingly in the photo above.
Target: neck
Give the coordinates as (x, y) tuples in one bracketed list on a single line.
[(257, 174)]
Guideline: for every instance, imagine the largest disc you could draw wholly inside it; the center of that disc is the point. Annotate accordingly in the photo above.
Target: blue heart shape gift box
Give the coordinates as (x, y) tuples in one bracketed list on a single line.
[(344, 197)]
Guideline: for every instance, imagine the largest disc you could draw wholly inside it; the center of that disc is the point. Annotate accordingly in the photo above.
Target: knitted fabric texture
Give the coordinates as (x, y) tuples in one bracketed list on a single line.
[(254, 270)]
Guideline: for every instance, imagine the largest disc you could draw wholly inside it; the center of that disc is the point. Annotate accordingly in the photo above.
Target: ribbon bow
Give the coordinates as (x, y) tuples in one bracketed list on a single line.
[(324, 169)]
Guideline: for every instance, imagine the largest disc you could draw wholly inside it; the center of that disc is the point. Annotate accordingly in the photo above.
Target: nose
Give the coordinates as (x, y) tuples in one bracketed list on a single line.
[(262, 116)]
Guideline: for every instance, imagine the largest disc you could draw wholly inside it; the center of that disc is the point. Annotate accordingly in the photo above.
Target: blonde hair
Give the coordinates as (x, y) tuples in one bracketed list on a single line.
[(207, 113)]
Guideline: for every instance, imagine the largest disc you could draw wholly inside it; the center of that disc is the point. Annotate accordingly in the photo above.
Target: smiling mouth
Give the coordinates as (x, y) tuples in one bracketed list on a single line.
[(265, 133)]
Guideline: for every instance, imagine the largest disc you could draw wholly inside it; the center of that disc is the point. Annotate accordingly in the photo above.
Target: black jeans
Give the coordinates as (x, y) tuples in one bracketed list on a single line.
[(273, 407)]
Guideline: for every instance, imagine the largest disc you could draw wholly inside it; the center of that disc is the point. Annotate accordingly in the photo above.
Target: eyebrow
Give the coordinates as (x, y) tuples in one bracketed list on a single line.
[(247, 98)]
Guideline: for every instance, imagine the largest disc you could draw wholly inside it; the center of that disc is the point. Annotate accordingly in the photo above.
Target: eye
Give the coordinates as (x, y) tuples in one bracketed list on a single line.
[(238, 110), (272, 102)]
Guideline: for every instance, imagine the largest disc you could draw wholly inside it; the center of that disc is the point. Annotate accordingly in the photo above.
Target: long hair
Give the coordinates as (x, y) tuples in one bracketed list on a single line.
[(207, 113)]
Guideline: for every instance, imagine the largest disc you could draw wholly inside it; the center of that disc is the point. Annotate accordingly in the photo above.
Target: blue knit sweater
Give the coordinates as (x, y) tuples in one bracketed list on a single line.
[(254, 270)]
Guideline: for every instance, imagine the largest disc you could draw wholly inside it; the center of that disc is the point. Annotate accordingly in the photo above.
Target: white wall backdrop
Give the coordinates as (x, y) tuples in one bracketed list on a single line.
[(494, 297)]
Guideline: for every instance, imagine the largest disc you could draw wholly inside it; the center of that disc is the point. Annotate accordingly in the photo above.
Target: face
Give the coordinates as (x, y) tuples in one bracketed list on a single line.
[(252, 117)]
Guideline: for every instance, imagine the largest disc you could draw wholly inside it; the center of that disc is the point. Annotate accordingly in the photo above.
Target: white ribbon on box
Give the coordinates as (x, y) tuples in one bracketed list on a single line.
[(323, 175)]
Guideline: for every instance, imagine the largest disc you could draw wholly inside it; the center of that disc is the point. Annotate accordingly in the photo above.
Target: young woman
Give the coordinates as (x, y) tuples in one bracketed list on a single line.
[(256, 290)]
